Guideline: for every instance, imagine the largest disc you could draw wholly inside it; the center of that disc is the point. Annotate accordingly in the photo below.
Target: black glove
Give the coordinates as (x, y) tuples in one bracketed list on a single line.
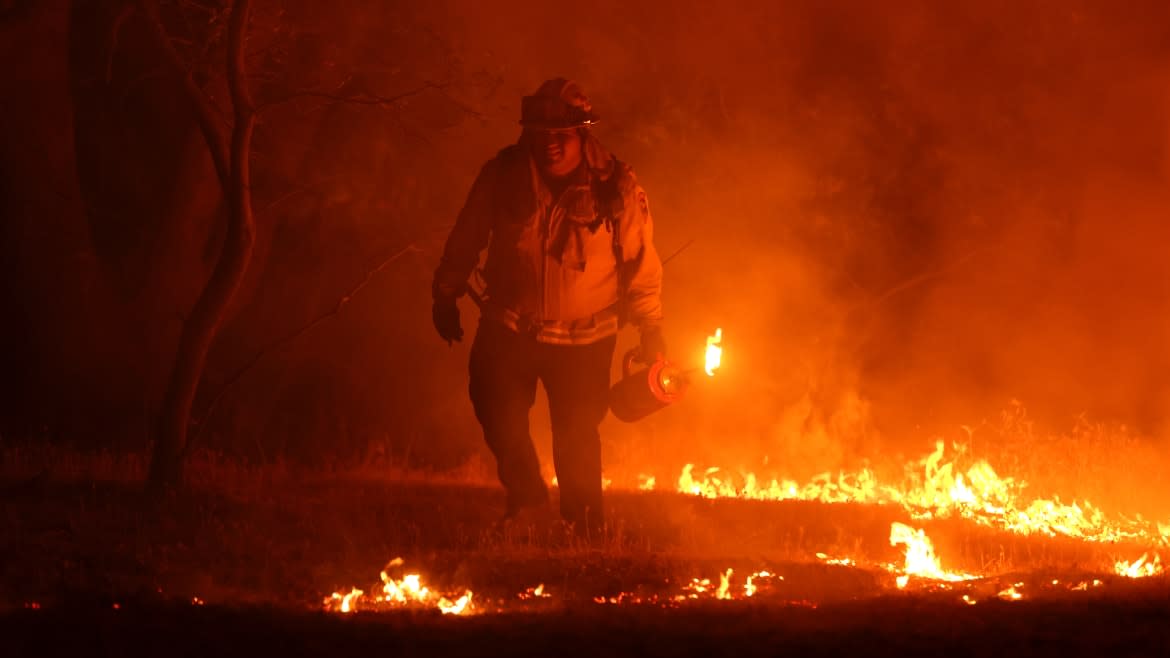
[(653, 345), (445, 315)]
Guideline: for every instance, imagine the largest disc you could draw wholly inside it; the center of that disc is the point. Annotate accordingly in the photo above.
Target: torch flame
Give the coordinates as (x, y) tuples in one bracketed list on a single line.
[(714, 352)]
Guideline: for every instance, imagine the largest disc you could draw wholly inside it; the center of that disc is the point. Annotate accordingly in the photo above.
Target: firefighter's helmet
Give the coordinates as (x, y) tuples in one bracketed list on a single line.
[(558, 103)]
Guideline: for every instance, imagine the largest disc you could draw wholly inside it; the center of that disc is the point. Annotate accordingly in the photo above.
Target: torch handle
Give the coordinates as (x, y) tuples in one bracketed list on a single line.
[(628, 361)]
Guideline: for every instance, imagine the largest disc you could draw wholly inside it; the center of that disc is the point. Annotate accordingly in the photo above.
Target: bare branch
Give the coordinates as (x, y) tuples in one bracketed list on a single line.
[(292, 336), (363, 98), (237, 75), (296, 191), (205, 112), (678, 251), (920, 279)]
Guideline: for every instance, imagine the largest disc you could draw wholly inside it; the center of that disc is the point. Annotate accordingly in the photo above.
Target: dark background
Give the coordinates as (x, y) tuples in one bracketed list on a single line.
[(907, 215)]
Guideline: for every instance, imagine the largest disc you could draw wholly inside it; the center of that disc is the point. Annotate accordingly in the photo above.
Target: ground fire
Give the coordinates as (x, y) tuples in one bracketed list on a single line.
[(937, 488)]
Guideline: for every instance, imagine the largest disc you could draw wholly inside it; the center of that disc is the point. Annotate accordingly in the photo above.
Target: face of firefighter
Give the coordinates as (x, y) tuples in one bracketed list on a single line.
[(557, 152)]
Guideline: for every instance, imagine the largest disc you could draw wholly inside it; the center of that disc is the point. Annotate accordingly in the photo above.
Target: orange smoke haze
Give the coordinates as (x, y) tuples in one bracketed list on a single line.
[(906, 215)]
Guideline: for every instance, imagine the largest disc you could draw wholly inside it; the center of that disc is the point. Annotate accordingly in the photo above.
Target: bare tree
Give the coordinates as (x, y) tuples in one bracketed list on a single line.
[(225, 94), (232, 162)]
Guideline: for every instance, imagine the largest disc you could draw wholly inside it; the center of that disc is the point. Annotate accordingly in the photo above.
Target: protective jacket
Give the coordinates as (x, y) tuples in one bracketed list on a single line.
[(565, 270)]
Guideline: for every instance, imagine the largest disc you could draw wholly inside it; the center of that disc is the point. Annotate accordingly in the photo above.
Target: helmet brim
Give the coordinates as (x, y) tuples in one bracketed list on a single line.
[(545, 113), (534, 124)]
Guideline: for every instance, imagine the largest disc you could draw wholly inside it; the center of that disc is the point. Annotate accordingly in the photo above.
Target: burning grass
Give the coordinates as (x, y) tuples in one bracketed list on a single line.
[(312, 540), (243, 570)]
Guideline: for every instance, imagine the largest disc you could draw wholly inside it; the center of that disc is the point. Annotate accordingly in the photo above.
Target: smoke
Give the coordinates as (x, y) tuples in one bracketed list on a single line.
[(905, 215)]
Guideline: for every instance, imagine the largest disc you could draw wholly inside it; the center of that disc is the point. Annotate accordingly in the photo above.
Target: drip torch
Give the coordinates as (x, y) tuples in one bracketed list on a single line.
[(640, 393)]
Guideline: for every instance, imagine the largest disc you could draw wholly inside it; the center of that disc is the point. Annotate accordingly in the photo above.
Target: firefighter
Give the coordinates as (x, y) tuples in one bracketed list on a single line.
[(570, 258)]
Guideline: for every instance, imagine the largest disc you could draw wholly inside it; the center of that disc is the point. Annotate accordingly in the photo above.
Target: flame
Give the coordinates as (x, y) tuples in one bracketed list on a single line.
[(534, 593), (936, 487), (399, 592), (750, 588), (457, 607), (1143, 567), (839, 561), (714, 352), (921, 561), (724, 585), (346, 602), (920, 558), (699, 586), (1012, 593)]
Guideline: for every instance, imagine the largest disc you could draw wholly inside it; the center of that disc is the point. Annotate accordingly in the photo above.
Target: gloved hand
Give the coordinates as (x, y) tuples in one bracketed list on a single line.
[(653, 345), (445, 315)]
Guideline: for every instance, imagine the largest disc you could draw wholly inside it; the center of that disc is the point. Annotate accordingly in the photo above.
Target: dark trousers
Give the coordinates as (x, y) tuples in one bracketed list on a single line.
[(505, 367)]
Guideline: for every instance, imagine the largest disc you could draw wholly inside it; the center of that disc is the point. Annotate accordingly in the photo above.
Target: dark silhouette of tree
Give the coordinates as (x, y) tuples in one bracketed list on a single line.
[(231, 156), (165, 95)]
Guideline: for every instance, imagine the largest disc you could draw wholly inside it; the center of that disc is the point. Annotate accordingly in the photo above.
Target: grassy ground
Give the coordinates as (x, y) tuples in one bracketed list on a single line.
[(262, 548)]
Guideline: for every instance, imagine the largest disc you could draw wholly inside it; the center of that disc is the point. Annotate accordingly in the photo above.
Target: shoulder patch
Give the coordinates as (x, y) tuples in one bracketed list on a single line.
[(643, 203)]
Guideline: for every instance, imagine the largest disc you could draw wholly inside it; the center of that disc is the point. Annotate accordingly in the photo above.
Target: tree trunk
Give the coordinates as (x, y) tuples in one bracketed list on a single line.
[(205, 319)]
